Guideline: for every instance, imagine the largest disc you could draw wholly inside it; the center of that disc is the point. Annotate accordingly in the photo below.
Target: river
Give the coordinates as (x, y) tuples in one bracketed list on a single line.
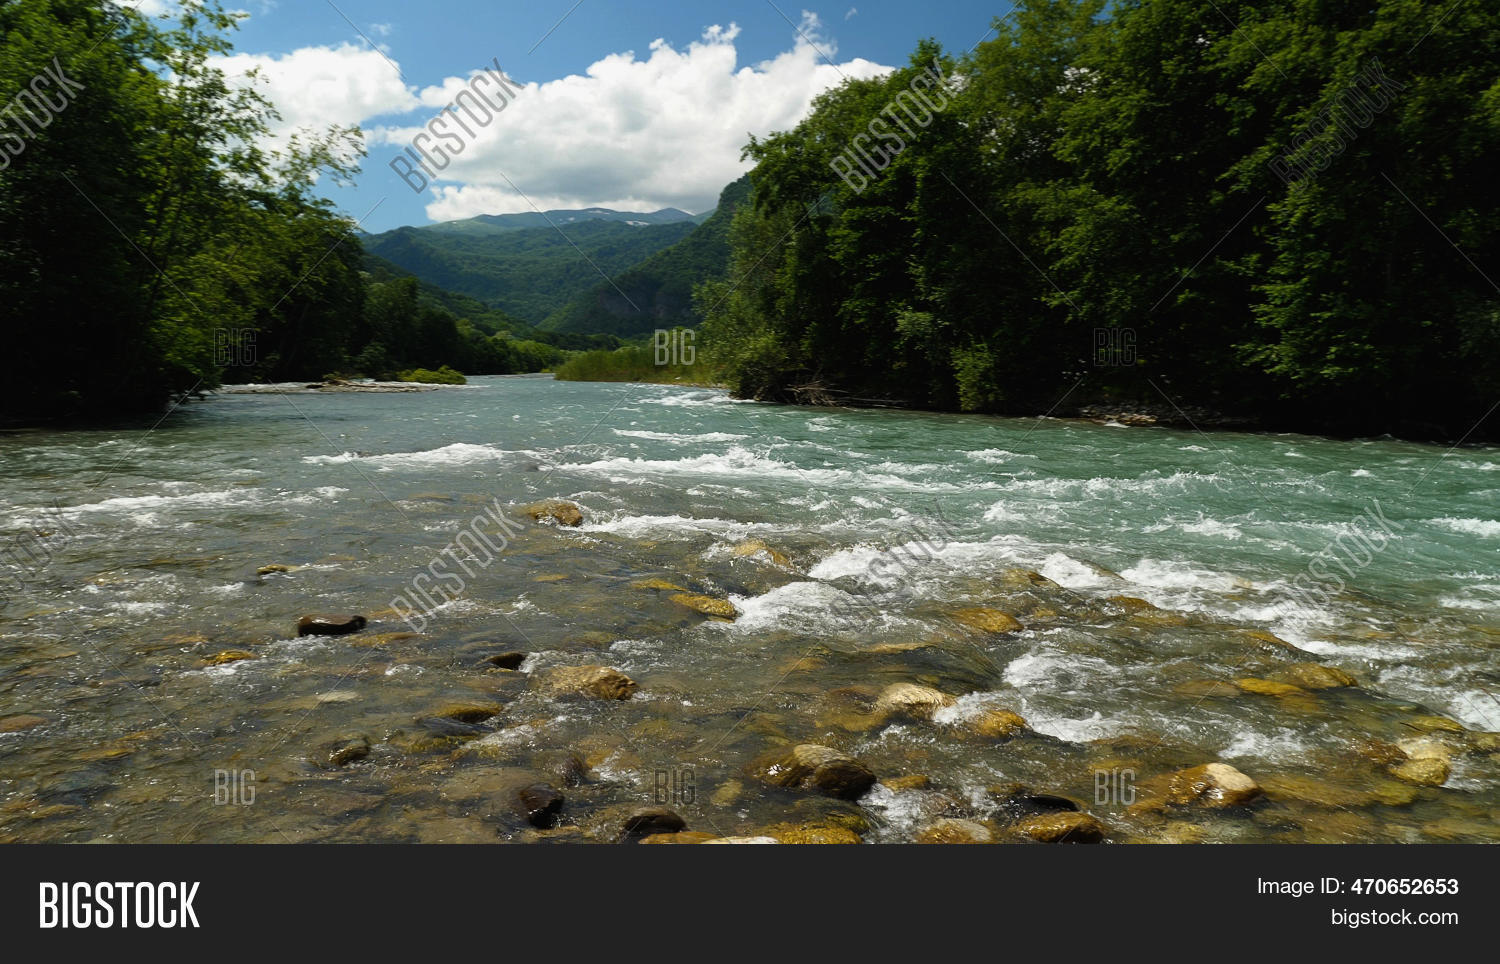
[(1172, 589)]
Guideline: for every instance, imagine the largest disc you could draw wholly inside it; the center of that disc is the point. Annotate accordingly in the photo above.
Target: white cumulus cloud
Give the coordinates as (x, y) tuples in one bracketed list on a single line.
[(629, 133), (633, 133), (314, 87)]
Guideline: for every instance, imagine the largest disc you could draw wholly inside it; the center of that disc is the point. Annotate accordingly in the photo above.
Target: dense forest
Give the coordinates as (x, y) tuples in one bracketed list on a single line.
[(1286, 209), (150, 246)]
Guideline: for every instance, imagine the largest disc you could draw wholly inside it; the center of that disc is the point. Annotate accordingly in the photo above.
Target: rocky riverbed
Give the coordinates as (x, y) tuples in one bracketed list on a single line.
[(672, 650)]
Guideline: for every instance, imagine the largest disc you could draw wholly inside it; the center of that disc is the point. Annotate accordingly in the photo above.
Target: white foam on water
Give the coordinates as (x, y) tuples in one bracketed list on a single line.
[(1478, 709), (1213, 527), (1488, 528), (139, 608), (692, 400), (810, 607), (1283, 746), (902, 810), (141, 505), (1374, 651), (1041, 668), (459, 453), (523, 733), (1003, 512), (1069, 728), (740, 462), (929, 558), (677, 527), (1469, 603), (996, 456), (1069, 573), (681, 439), (1178, 483), (1170, 574), (855, 562), (971, 705)]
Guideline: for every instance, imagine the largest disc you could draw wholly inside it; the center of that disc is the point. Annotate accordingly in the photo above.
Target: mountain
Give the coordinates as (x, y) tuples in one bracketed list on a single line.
[(529, 272), (486, 224), (660, 289)]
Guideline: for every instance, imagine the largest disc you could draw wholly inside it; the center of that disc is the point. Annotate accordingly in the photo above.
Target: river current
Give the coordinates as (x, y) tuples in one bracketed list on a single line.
[(1321, 615)]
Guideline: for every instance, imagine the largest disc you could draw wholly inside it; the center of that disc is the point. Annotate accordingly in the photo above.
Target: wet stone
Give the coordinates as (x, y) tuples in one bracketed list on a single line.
[(648, 821), (325, 625), (348, 751), (540, 804)]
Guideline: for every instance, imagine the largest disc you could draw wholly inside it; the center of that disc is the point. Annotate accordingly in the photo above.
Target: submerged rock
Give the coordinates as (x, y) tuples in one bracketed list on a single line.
[(1316, 676), (561, 511), (1027, 579), (661, 585), (1436, 724), (539, 804), (911, 701), (506, 660), (1063, 828), (988, 620), (650, 821), (707, 605), (229, 656), (375, 640), (322, 625), (809, 766), (1427, 772), (566, 766), (811, 834), (756, 547), (1212, 785), (466, 712), (1019, 801), (1132, 604), (681, 837), (1427, 762), (587, 682), (347, 751), (1339, 794), (1265, 687), (953, 831), (1202, 689), (997, 724)]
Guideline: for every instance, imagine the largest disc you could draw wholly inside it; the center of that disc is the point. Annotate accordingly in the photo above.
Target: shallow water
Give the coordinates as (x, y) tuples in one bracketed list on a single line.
[(891, 524)]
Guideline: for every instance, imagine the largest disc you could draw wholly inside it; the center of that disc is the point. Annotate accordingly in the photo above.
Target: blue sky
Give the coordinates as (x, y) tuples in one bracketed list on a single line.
[(604, 115)]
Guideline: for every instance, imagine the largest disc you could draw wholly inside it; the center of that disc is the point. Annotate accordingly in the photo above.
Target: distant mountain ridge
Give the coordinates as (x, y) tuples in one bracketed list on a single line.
[(501, 223), (530, 272)]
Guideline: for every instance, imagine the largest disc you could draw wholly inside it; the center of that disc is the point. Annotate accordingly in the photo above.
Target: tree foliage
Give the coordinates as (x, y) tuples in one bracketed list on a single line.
[(1106, 171)]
